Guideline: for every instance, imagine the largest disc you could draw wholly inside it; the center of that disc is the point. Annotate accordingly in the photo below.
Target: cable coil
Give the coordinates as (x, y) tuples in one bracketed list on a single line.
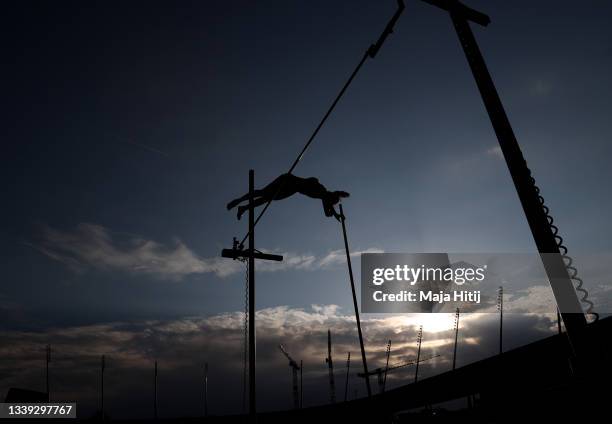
[(572, 270)]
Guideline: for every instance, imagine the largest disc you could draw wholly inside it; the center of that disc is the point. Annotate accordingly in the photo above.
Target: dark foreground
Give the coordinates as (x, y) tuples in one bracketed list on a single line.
[(539, 381)]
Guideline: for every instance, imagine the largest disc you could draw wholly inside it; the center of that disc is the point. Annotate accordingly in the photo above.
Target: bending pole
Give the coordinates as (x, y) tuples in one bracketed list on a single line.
[(252, 403), (350, 270)]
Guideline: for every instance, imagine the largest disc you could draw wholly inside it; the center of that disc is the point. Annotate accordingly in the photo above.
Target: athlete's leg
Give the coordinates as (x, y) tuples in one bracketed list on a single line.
[(257, 202), (311, 187), (235, 202)]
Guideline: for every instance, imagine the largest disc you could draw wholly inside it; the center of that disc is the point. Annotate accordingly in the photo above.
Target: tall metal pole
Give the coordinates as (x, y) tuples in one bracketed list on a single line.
[(47, 360), (206, 389), (500, 306), (346, 383), (102, 366), (330, 369), (384, 385), (419, 340), (155, 393), (456, 338), (301, 383), (350, 269), (537, 217), (252, 399)]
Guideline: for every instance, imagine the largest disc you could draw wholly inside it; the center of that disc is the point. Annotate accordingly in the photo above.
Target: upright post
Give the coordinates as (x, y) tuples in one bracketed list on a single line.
[(155, 394), (350, 270), (102, 366), (419, 340), (384, 385), (301, 383), (456, 338), (330, 369), (206, 389), (252, 399), (47, 360), (348, 367), (237, 252), (500, 306)]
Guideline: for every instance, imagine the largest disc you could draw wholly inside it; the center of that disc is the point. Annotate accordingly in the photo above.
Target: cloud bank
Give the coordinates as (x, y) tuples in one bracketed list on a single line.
[(92, 246), (181, 347)]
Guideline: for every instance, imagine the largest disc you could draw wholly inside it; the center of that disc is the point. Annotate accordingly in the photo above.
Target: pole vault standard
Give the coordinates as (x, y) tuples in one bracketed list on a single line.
[(350, 270), (237, 252), (540, 222)]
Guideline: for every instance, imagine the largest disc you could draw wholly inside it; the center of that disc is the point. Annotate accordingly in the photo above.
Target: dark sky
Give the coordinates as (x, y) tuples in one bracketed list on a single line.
[(127, 127)]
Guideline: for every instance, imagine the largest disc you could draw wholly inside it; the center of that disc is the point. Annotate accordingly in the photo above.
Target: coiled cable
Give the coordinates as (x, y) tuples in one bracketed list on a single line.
[(572, 270)]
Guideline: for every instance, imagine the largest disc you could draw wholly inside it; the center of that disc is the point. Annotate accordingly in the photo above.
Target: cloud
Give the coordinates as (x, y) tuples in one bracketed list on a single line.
[(92, 246), (182, 346), (336, 257), (496, 152)]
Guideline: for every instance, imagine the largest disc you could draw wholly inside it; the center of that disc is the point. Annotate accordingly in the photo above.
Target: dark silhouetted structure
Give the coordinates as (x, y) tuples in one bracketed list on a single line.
[(47, 360), (346, 381), (456, 338), (155, 394), (237, 252), (540, 221), (294, 384), (330, 368), (102, 368), (15, 395), (206, 389)]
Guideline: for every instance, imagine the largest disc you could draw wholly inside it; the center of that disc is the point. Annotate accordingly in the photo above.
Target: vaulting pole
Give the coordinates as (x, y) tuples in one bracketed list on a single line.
[(350, 270), (252, 399)]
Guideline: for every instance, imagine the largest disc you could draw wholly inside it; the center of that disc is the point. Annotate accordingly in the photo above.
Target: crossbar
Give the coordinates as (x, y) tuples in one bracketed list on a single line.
[(460, 9), (236, 253)]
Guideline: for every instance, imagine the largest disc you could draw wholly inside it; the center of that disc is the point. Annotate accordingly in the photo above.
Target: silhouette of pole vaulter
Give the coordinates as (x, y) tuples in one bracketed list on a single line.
[(286, 186)]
